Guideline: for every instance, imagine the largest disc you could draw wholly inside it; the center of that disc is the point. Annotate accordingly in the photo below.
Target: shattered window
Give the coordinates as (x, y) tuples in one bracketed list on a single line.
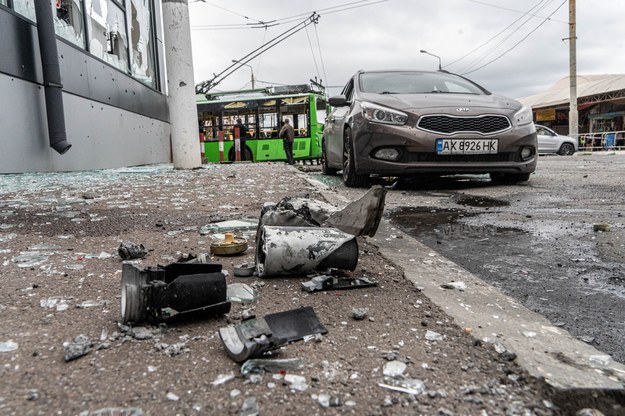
[(109, 38), (68, 21), (26, 8), (143, 64)]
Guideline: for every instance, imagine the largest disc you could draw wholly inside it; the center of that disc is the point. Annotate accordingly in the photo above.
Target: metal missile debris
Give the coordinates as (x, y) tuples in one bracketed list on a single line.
[(360, 217), (229, 246), (256, 336), (160, 293), (327, 282), (302, 250), (128, 250), (302, 235)]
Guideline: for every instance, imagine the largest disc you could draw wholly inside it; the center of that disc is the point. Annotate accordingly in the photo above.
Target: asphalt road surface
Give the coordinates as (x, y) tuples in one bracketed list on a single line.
[(556, 244)]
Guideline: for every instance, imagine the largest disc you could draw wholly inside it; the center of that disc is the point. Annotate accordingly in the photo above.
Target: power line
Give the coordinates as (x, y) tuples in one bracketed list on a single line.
[(527, 18), (288, 19), (513, 10), (516, 44), (493, 37), (323, 67)]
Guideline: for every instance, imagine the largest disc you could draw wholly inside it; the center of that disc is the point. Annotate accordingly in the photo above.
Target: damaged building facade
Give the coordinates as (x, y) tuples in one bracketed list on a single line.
[(110, 60)]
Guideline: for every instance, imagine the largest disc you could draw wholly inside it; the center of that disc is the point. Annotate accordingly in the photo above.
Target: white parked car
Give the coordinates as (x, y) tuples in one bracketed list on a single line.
[(551, 142)]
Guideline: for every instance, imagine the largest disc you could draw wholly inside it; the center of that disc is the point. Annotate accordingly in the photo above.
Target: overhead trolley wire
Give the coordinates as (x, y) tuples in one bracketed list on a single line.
[(493, 37), (516, 44), (285, 20), (540, 5)]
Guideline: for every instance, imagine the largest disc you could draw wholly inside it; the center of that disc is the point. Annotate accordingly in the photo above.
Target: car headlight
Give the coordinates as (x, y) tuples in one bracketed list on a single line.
[(379, 114), (523, 116)]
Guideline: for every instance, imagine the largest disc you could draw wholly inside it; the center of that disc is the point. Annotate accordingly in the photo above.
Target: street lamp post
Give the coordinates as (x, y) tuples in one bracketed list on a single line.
[(249, 66), (436, 56)]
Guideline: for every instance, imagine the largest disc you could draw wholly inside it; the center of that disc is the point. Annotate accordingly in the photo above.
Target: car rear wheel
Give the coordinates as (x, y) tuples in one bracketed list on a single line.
[(325, 168), (509, 177), (350, 178), (567, 149)]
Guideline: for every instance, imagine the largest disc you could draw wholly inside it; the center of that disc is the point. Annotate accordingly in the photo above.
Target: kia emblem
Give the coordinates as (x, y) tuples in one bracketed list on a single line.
[(463, 109)]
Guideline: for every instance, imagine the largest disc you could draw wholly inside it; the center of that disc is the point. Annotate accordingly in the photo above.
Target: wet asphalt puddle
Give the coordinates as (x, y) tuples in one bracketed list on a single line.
[(549, 266)]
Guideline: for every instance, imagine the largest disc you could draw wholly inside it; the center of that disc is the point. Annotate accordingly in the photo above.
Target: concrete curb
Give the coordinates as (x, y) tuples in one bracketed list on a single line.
[(567, 365)]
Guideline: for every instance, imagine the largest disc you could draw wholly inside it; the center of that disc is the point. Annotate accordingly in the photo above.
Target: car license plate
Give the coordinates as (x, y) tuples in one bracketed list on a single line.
[(466, 146)]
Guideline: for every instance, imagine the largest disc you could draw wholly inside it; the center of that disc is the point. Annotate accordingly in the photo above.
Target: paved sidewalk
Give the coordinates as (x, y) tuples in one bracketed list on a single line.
[(59, 235)]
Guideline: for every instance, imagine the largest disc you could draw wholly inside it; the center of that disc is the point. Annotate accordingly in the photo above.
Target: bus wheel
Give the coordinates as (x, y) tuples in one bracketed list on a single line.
[(245, 155), (325, 168)]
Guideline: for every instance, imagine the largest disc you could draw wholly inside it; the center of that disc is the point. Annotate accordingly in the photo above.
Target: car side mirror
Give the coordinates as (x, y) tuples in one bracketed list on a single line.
[(338, 101)]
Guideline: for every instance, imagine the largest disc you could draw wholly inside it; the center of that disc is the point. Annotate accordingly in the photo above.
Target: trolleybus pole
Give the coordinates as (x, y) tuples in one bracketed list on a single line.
[(237, 144), (221, 146)]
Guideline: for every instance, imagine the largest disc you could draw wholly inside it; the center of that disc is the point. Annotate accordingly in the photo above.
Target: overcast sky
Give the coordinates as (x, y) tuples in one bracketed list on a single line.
[(513, 47)]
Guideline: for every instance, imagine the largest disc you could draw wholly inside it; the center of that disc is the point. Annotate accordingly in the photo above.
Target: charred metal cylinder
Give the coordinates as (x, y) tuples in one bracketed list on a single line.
[(161, 293), (303, 250)]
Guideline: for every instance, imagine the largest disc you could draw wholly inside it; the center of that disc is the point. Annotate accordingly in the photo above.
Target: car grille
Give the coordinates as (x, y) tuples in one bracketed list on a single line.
[(445, 124)]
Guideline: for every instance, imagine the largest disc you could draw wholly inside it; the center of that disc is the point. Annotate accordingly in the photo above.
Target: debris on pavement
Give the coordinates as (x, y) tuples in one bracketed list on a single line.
[(270, 365), (283, 250), (222, 379), (244, 270), (601, 228), (114, 411), (396, 380), (240, 292), (329, 282), (254, 337), (8, 346), (78, 348), (461, 286), (231, 225), (56, 302), (360, 313), (229, 246), (250, 407), (360, 217), (159, 293), (303, 235), (296, 382), (128, 251)]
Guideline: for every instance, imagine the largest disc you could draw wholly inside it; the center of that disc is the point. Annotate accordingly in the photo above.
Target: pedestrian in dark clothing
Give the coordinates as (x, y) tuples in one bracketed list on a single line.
[(288, 135), (243, 131)]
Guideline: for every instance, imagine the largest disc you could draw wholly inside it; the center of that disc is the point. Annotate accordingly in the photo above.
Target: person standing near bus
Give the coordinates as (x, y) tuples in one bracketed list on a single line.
[(288, 135), (242, 135)]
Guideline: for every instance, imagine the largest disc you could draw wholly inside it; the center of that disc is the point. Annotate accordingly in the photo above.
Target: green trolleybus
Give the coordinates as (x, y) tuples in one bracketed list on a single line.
[(262, 112)]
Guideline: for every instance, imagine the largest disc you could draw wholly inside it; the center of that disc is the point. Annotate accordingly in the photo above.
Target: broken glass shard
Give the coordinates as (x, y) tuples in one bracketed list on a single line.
[(240, 292), (268, 365)]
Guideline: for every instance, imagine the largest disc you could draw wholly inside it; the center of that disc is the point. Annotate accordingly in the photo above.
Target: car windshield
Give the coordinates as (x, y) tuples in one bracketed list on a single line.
[(408, 82)]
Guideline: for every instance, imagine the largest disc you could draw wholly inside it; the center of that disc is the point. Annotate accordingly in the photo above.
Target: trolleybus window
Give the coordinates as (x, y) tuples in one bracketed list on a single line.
[(262, 114)]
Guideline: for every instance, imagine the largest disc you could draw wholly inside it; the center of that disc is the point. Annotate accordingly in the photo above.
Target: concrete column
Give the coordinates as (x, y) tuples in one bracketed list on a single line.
[(185, 142)]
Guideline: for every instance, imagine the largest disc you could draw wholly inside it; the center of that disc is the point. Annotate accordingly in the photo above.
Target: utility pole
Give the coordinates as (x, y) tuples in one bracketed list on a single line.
[(573, 115), (185, 141)]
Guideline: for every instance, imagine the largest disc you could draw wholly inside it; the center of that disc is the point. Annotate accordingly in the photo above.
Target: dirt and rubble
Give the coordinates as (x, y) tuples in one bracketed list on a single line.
[(61, 272)]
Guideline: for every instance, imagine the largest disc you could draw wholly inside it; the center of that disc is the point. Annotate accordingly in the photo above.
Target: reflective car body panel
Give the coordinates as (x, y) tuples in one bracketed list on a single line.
[(551, 142), (410, 124)]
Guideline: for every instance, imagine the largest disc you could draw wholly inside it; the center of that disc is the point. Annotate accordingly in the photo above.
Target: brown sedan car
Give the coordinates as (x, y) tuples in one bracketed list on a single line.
[(403, 123)]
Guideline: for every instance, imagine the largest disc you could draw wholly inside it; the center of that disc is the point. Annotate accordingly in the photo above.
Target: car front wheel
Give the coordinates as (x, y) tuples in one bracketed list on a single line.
[(325, 168), (567, 149), (350, 177)]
